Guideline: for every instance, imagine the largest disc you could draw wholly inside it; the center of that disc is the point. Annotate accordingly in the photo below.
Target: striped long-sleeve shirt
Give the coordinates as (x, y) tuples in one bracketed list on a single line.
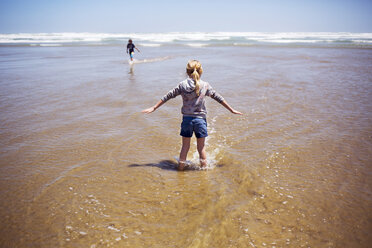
[(193, 105)]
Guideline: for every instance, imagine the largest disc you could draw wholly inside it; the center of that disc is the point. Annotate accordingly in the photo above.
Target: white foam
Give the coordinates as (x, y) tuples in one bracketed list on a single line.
[(291, 41), (362, 41), (194, 163), (151, 60), (113, 228), (150, 44), (187, 38), (50, 45), (196, 44)]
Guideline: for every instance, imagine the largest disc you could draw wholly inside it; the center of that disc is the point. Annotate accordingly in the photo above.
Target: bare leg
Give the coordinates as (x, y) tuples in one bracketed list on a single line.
[(202, 154), (183, 154)]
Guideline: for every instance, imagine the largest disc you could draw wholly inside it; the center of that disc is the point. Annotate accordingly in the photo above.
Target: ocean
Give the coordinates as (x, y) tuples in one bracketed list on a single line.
[(193, 39), (81, 166)]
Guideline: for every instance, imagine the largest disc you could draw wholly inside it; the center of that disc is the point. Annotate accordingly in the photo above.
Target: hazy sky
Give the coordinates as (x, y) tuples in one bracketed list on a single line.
[(115, 16)]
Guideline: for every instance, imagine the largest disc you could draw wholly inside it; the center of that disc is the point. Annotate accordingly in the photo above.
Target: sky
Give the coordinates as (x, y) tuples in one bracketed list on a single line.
[(124, 16)]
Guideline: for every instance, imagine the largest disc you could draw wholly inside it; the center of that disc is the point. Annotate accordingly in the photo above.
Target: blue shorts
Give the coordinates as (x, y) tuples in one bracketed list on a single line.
[(191, 124), (131, 54)]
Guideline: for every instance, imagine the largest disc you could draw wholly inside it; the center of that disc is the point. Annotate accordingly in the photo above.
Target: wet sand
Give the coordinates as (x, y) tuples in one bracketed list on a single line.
[(80, 166)]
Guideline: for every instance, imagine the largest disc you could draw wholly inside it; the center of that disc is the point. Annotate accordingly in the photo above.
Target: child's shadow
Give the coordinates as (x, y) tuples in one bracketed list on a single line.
[(169, 165), (164, 164)]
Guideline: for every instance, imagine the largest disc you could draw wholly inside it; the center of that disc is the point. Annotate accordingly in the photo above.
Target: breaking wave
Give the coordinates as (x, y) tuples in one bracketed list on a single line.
[(196, 39)]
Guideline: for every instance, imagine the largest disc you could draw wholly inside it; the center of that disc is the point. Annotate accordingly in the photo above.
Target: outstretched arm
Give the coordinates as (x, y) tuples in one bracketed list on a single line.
[(171, 94), (213, 94), (227, 106), (137, 49), (153, 108)]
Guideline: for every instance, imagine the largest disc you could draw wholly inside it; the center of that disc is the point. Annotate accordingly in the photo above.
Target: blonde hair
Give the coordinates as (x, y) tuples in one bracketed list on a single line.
[(194, 70)]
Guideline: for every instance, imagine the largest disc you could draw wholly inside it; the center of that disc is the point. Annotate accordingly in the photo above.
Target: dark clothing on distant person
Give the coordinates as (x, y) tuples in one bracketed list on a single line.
[(131, 47)]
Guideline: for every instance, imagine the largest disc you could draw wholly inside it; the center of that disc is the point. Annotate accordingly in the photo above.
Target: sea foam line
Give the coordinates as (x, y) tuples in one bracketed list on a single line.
[(187, 38)]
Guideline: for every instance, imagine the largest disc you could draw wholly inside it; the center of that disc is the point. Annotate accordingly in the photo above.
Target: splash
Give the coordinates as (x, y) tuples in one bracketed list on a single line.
[(141, 61), (212, 152), (194, 163)]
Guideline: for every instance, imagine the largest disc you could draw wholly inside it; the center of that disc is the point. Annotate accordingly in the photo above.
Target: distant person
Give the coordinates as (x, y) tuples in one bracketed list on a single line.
[(193, 92), (130, 49)]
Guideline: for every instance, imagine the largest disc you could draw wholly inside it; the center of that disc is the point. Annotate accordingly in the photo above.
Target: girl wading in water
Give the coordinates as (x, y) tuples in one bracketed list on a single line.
[(193, 91)]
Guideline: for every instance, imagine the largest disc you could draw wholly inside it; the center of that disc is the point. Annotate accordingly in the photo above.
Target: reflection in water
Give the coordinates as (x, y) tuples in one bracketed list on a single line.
[(131, 69), (131, 77)]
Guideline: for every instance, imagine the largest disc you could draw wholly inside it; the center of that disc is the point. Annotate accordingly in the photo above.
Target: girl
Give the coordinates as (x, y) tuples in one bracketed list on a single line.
[(193, 92)]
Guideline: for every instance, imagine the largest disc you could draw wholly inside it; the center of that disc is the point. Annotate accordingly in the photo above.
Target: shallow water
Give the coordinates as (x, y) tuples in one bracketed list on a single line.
[(80, 166)]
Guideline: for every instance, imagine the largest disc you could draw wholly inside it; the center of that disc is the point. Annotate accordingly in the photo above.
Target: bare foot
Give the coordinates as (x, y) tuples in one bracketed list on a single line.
[(181, 165), (203, 163)]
